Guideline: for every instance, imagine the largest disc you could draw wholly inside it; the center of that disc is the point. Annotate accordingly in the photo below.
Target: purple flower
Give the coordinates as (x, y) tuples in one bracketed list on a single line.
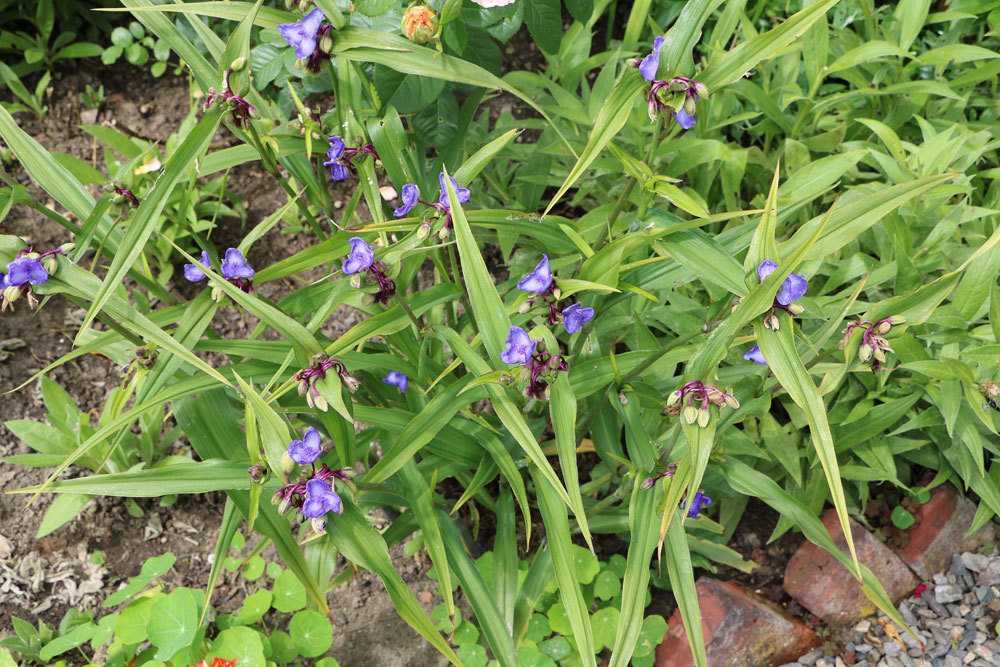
[(794, 287), (334, 158), (519, 347), (575, 316), (539, 280), (302, 35), (25, 270), (320, 500), (234, 266), (651, 63), (463, 194), (306, 450), (3, 282), (755, 355), (193, 272), (699, 501), (398, 380), (359, 258), (411, 195), (684, 119)]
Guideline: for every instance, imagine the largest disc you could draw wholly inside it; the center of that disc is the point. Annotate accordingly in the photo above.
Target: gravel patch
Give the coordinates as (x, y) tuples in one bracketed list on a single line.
[(955, 617)]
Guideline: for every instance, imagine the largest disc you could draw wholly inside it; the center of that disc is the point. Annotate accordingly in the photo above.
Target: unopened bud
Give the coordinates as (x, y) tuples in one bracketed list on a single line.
[(674, 398), (444, 233), (690, 105), (703, 416), (883, 327), (301, 63), (50, 264), (690, 414), (879, 354), (257, 473), (424, 230), (897, 320), (356, 280), (238, 64), (419, 24), (795, 309), (865, 353), (319, 402), (771, 322), (649, 482), (326, 43), (525, 307), (622, 398), (732, 402), (701, 89)]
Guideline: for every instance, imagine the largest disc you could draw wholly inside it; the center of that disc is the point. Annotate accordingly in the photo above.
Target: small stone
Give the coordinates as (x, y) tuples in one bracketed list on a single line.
[(984, 653), (863, 626), (974, 562), (958, 566), (947, 593), (952, 660), (990, 576), (811, 657), (890, 648), (339, 617)]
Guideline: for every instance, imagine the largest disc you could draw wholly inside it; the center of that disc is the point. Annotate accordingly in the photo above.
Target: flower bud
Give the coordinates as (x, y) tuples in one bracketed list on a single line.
[(301, 63), (238, 64), (883, 327), (622, 398), (257, 473), (690, 414), (50, 264), (732, 402), (674, 398), (897, 320), (367, 299), (67, 247), (525, 307), (424, 230), (444, 233), (690, 105), (319, 401), (356, 280), (649, 482), (319, 526), (795, 309), (990, 390), (11, 294), (771, 322), (879, 355), (700, 89), (419, 24), (703, 416), (864, 352), (326, 43)]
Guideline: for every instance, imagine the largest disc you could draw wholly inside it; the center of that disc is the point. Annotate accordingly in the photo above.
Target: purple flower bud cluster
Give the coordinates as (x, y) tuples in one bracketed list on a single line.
[(540, 366), (234, 268), (308, 377), (411, 197), (313, 493), (339, 157), (27, 269), (240, 109), (360, 258), (792, 289), (541, 283), (679, 95), (873, 343), (310, 38), (692, 402)]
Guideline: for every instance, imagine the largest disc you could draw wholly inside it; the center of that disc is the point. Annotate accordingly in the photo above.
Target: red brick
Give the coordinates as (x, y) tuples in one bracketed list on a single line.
[(942, 530), (741, 630), (827, 589)]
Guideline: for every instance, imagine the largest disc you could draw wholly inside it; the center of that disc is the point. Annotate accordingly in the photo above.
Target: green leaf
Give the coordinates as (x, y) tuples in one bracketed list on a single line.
[(289, 593), (311, 632), (173, 622), (562, 412), (67, 642), (151, 569), (63, 510), (240, 644), (544, 20)]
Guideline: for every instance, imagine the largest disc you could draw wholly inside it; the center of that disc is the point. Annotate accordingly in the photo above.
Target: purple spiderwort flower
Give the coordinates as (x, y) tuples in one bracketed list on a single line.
[(411, 195), (755, 355), (359, 258), (684, 119), (463, 194), (235, 267), (794, 287), (519, 347), (193, 272), (699, 501), (651, 63), (26, 270), (3, 282), (302, 34), (398, 380), (335, 159), (308, 449), (539, 280), (575, 316), (320, 500)]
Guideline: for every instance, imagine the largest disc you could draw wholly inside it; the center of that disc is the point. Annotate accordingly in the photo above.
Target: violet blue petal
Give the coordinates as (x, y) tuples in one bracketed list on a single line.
[(193, 272), (651, 63), (699, 501), (792, 289), (755, 355), (398, 380), (302, 35), (411, 195), (24, 270), (575, 316), (320, 500), (234, 265), (308, 449), (539, 280), (766, 268), (359, 258), (684, 119), (519, 347), (463, 194)]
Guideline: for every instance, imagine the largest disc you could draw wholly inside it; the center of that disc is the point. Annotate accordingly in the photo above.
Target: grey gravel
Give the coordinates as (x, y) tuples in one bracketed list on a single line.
[(955, 618)]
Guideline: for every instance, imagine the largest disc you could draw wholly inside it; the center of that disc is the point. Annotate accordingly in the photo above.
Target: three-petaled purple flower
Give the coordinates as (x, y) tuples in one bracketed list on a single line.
[(463, 194), (359, 258), (308, 449), (302, 34), (519, 347), (651, 63), (234, 269), (792, 289), (320, 500), (699, 501), (684, 119), (334, 159), (755, 355), (539, 280), (411, 195), (575, 316), (398, 380), (24, 271)]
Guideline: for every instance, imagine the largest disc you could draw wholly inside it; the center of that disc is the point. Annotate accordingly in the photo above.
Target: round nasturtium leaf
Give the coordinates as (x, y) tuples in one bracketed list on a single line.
[(901, 518), (283, 649), (173, 622), (472, 655), (289, 593), (241, 644), (254, 607), (556, 648), (607, 585), (558, 620), (311, 632), (587, 565), (604, 623), (538, 628), (651, 634), (466, 633), (532, 657)]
